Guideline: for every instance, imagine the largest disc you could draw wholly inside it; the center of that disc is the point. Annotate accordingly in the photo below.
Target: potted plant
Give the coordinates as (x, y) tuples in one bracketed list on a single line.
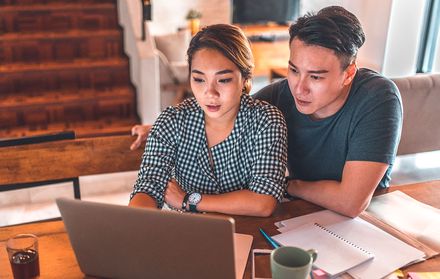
[(193, 18)]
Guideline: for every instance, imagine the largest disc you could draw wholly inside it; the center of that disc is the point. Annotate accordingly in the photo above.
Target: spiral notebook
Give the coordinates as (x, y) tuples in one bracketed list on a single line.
[(335, 254)]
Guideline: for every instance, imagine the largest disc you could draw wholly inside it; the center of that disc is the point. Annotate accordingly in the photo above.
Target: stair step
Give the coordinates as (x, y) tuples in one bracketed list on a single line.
[(92, 128), (78, 64), (14, 102), (80, 74), (57, 17), (68, 46), (55, 6), (66, 106), (62, 67), (51, 2), (74, 33)]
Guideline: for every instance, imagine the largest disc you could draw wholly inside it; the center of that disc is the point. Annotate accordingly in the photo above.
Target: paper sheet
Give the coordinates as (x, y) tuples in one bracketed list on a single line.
[(335, 254), (390, 252), (409, 216)]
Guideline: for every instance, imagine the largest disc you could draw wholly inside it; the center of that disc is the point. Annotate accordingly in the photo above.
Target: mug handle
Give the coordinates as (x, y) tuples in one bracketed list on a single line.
[(313, 253)]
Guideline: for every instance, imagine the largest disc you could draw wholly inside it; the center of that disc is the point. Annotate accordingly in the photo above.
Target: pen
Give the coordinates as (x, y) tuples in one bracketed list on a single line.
[(275, 244)]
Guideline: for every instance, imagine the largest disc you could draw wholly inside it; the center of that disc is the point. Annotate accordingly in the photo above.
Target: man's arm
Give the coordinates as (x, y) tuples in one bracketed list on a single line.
[(349, 197), (142, 132)]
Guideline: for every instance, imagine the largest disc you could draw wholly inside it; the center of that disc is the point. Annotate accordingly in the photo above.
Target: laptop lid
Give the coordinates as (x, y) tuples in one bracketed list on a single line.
[(121, 242)]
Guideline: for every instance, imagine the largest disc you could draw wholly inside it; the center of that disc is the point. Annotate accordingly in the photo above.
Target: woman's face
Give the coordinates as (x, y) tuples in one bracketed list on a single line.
[(217, 85)]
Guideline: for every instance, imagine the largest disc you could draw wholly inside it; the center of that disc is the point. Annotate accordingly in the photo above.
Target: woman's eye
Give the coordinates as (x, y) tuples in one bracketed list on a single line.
[(225, 80), (195, 79)]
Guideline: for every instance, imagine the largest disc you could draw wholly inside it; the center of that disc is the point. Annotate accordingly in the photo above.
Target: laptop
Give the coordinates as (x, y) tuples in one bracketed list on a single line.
[(114, 241)]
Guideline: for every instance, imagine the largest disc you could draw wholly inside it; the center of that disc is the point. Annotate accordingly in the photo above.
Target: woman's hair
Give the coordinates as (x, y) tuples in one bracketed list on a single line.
[(230, 41)]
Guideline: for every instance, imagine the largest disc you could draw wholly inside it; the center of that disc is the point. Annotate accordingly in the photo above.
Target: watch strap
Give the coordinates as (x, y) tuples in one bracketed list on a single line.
[(185, 201), (193, 207)]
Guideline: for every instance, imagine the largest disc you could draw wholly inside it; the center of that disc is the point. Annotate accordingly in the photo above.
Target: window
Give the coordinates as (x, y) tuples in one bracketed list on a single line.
[(428, 41)]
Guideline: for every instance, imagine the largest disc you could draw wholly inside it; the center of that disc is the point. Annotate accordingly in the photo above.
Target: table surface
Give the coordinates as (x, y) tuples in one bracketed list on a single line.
[(58, 260)]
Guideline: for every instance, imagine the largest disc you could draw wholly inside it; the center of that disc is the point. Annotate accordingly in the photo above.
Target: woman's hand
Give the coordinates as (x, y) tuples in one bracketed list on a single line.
[(174, 194)]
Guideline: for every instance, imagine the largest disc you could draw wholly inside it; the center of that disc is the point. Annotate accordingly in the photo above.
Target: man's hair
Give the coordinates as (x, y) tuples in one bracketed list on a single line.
[(334, 28)]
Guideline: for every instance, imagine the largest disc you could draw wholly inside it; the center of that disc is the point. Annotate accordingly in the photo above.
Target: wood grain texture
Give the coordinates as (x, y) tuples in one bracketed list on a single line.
[(62, 63), (68, 158), (57, 260), (268, 55)]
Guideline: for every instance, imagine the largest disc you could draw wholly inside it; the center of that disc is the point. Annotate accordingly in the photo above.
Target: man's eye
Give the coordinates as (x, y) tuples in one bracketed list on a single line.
[(293, 70), (225, 80), (315, 77), (197, 79)]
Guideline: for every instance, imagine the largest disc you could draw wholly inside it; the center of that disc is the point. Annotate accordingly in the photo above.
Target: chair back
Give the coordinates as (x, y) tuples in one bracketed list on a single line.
[(44, 163), (421, 118)]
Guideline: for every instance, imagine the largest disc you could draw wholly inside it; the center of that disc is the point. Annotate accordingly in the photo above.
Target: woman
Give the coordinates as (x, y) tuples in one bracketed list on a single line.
[(221, 151)]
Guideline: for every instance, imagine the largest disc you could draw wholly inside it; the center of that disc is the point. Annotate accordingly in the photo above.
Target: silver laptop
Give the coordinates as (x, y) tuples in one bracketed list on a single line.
[(115, 241)]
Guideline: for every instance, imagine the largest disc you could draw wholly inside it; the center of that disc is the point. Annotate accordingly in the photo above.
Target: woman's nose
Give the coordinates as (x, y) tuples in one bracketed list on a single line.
[(211, 90)]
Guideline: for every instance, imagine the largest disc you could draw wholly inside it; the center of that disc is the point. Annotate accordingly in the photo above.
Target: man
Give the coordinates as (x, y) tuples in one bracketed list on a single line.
[(343, 123)]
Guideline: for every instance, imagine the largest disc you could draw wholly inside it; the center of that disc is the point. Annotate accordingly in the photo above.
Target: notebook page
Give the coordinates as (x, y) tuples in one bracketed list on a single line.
[(390, 253), (335, 254), (408, 215)]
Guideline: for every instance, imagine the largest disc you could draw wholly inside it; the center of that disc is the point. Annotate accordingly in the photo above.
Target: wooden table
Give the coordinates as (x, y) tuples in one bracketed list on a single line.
[(277, 73), (58, 261), (270, 54)]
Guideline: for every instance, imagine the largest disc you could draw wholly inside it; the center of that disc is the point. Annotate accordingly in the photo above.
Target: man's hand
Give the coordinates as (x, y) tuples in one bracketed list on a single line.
[(142, 132), (174, 194)]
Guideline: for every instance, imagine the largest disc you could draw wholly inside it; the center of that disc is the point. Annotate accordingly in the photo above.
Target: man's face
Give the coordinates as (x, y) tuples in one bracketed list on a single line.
[(318, 84)]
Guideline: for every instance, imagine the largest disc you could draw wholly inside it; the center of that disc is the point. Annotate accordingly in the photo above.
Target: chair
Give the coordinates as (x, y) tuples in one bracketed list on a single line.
[(173, 66), (34, 164), (420, 97), (66, 135)]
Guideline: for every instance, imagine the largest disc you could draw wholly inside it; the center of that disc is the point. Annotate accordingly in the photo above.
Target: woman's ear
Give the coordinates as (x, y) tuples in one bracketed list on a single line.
[(350, 73), (247, 84)]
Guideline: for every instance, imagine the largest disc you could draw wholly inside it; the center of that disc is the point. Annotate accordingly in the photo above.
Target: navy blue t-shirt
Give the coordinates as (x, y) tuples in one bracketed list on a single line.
[(366, 128)]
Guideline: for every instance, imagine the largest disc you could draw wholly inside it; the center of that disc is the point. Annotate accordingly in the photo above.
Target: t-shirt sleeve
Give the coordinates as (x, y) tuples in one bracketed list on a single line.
[(158, 158), (269, 167), (376, 134)]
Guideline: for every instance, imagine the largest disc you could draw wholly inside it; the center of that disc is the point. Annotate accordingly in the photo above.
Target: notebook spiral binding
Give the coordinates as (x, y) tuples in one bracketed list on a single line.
[(343, 239)]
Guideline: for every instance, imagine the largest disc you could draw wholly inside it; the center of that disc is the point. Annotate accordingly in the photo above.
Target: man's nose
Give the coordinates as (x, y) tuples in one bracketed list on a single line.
[(301, 87)]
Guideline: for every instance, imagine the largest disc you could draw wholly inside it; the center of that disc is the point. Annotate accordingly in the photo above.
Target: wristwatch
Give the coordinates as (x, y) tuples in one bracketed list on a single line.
[(185, 201), (193, 201)]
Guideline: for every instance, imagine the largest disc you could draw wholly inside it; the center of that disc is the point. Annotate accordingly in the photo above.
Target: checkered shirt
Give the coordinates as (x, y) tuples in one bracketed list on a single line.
[(252, 157)]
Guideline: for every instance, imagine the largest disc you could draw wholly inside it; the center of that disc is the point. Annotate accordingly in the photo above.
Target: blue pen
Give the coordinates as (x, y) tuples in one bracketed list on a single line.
[(275, 244)]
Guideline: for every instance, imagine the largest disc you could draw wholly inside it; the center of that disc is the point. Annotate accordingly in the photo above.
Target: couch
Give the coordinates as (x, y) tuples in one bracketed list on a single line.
[(421, 118)]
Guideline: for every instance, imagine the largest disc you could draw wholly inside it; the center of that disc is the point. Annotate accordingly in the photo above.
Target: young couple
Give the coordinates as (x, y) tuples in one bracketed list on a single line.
[(224, 151)]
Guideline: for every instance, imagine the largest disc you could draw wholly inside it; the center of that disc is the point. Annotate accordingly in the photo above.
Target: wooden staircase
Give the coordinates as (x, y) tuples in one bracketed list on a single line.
[(63, 67)]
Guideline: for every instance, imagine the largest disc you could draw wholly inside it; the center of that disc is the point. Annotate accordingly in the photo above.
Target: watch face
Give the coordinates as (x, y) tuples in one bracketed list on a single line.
[(194, 198)]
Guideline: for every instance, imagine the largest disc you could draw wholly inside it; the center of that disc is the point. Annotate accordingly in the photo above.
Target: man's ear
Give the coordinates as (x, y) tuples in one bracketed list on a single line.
[(350, 72)]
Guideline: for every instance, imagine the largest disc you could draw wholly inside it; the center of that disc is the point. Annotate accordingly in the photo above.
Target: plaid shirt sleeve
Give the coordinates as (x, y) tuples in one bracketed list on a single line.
[(158, 158), (268, 170)]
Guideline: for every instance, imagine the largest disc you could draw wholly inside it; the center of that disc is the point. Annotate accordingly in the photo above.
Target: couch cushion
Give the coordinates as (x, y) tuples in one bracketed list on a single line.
[(421, 117), (174, 45)]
